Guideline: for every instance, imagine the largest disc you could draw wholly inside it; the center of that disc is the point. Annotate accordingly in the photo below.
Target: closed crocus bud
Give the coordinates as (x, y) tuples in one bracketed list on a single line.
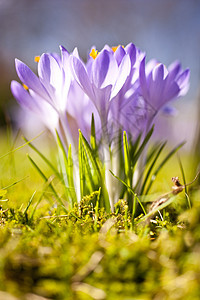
[(160, 85)]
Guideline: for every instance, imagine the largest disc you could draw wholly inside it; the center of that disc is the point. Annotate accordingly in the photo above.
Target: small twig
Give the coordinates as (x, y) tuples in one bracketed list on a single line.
[(176, 189)]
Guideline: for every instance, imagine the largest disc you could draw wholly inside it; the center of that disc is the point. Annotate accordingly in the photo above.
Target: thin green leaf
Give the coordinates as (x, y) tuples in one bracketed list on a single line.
[(134, 146), (162, 164), (44, 158), (141, 148), (20, 147), (62, 148), (12, 184), (46, 186), (151, 167), (131, 190), (93, 135), (152, 151), (127, 168), (81, 165), (127, 163), (29, 203), (46, 180), (91, 155), (184, 182), (70, 176), (84, 146), (89, 177)]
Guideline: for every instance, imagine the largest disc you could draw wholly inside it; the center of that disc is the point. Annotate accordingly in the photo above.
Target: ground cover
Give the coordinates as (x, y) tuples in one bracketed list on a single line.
[(87, 253)]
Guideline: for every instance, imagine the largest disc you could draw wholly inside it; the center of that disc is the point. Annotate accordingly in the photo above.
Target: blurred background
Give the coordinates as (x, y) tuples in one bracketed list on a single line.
[(165, 29)]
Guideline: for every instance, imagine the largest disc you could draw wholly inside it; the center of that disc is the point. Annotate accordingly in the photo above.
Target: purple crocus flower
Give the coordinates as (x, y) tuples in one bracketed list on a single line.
[(159, 85), (102, 79), (46, 95)]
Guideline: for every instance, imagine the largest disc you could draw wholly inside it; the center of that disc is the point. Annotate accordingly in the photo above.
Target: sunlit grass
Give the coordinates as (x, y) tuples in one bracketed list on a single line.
[(86, 253)]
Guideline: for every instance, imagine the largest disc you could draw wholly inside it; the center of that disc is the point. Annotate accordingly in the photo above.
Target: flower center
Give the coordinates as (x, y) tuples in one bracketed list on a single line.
[(37, 58), (25, 86), (93, 53)]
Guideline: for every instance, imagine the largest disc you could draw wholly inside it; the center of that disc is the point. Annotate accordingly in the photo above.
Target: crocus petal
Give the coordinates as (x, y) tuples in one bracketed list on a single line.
[(157, 85), (131, 51), (123, 73), (46, 112), (24, 98), (174, 68), (80, 74), (143, 81), (171, 93), (64, 55), (104, 69), (75, 53), (183, 82), (119, 54), (101, 101), (106, 47), (29, 78), (50, 73)]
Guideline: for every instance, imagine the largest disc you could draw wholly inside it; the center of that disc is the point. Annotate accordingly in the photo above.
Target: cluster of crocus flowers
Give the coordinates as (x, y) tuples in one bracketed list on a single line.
[(115, 85)]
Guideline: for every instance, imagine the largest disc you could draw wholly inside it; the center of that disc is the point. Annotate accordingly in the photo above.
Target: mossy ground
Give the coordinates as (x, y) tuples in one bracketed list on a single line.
[(89, 254)]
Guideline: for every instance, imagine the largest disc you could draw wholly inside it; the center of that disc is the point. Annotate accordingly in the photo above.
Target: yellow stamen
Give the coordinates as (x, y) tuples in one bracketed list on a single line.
[(25, 86), (116, 47), (93, 53), (37, 58)]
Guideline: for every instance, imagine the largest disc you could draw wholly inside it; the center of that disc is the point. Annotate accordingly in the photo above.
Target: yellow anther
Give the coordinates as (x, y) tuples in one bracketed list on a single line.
[(37, 58), (25, 86), (116, 47), (93, 53)]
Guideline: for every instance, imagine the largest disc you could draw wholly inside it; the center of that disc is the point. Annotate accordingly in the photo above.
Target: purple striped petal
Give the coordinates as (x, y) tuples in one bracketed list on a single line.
[(80, 74), (119, 54), (104, 69), (23, 97), (143, 81), (123, 73), (29, 78), (131, 51)]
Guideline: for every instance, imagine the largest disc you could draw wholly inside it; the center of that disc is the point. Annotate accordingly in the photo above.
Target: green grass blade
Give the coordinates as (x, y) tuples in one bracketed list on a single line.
[(51, 166), (141, 148), (151, 167), (81, 164), (184, 182), (135, 146), (93, 135), (85, 147), (29, 203), (127, 163), (91, 155), (89, 177), (62, 148), (46, 180), (70, 177), (20, 147), (131, 190), (153, 150), (164, 161), (12, 184), (67, 170), (127, 168), (46, 186)]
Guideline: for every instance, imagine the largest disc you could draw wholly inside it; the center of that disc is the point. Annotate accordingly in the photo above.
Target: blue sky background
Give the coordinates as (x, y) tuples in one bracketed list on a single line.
[(164, 29)]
